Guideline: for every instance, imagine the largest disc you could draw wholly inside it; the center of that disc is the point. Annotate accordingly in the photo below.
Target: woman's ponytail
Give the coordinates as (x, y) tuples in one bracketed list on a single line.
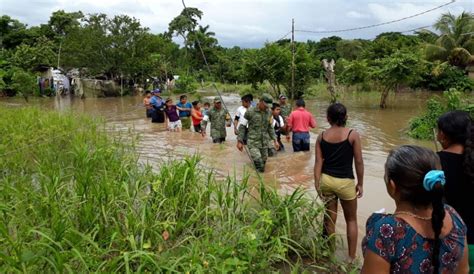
[(437, 217), (434, 183)]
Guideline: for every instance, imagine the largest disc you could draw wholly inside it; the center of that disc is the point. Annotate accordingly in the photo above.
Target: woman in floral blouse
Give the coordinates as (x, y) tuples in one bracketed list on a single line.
[(423, 235)]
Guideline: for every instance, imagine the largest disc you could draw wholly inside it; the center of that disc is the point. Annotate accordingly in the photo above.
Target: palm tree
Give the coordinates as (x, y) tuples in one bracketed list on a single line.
[(202, 39), (455, 44), (202, 36)]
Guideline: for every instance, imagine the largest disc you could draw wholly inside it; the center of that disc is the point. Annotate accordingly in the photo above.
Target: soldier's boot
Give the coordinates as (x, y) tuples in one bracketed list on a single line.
[(260, 166)]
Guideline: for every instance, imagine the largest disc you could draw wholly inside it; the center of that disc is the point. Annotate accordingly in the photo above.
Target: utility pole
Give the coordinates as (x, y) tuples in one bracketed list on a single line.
[(293, 58)]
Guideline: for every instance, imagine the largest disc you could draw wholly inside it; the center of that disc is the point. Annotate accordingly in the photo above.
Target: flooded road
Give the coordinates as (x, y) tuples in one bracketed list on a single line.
[(380, 130)]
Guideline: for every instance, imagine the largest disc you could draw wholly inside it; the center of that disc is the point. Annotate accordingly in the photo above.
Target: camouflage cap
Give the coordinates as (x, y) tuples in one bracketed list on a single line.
[(217, 99), (266, 98)]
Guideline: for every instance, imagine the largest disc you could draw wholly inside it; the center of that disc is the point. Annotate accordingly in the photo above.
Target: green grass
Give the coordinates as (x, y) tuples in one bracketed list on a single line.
[(75, 199)]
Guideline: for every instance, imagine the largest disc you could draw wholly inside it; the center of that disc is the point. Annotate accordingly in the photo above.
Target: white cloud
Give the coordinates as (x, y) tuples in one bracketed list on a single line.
[(357, 15), (250, 22)]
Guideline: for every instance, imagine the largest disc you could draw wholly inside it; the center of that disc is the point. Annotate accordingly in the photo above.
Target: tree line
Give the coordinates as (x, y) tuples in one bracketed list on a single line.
[(120, 48)]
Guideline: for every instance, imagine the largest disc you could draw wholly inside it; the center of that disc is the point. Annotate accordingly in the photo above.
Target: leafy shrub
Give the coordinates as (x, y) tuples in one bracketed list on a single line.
[(354, 72), (421, 127), (186, 84), (23, 83), (444, 77)]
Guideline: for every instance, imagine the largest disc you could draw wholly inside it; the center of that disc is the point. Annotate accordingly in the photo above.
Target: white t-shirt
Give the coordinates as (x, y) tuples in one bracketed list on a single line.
[(282, 123), (240, 115)]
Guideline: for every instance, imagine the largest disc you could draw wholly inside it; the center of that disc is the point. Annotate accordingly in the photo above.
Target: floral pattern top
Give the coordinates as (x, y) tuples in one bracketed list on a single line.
[(398, 243)]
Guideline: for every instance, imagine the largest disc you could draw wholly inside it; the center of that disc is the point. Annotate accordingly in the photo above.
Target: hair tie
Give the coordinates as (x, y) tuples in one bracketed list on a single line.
[(432, 178)]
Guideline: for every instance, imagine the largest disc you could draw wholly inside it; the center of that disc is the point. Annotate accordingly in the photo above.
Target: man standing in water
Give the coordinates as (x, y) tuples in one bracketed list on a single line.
[(299, 122), (219, 119), (285, 112), (184, 109), (285, 108), (260, 131)]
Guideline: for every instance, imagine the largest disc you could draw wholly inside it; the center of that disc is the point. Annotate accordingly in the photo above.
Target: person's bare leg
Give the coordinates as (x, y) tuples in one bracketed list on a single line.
[(330, 222), (330, 217), (350, 214)]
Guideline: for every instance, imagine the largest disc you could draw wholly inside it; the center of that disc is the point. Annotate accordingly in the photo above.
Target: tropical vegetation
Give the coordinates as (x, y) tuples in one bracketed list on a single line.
[(121, 49), (74, 198)]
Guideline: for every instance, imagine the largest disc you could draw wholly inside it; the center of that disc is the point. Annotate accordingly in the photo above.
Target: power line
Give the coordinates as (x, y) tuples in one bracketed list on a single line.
[(415, 29), (379, 24), (283, 37), (215, 87)]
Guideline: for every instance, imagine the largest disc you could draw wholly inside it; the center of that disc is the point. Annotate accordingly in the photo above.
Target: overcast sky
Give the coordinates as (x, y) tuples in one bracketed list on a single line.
[(251, 23)]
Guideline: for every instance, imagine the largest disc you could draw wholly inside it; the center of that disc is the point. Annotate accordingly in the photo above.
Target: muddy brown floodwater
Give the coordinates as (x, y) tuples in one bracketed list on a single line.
[(380, 130)]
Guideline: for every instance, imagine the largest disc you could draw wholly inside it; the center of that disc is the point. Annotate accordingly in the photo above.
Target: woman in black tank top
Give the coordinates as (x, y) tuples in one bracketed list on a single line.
[(336, 150), (338, 157)]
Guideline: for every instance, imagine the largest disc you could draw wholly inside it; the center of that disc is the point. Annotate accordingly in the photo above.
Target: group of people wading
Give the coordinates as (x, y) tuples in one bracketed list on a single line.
[(258, 126), (431, 229)]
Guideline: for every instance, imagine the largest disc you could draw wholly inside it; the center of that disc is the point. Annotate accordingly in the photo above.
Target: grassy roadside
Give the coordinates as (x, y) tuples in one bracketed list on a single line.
[(74, 199)]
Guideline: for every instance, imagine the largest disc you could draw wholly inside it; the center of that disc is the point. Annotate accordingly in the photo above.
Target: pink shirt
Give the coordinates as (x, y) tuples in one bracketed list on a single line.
[(301, 120)]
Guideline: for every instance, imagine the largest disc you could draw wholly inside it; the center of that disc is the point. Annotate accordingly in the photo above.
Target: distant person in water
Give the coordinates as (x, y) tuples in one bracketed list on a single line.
[(147, 104), (299, 122), (456, 136), (158, 116), (184, 111), (285, 107), (336, 150), (285, 112), (423, 235), (239, 115), (278, 124), (196, 116), (172, 118)]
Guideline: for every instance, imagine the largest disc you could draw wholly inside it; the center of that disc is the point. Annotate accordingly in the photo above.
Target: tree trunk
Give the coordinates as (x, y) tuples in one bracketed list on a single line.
[(121, 85), (331, 86), (384, 96)]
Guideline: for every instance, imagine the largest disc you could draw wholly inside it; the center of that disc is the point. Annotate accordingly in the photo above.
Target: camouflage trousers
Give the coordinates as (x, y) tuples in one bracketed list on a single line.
[(259, 157)]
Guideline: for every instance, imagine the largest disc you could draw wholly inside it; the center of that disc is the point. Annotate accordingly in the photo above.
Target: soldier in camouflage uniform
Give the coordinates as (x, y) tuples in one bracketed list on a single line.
[(219, 119), (285, 112), (260, 132), (285, 107)]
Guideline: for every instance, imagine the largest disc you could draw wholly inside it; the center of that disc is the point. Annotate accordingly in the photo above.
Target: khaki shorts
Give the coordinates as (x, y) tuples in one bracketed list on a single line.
[(342, 188)]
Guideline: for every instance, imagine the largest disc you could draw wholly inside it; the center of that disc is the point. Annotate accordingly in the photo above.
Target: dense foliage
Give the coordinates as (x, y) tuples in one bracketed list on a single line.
[(74, 199), (120, 48), (422, 127)]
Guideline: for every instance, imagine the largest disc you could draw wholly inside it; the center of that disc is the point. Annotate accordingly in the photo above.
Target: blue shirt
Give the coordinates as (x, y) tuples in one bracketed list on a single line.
[(184, 113), (156, 102)]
